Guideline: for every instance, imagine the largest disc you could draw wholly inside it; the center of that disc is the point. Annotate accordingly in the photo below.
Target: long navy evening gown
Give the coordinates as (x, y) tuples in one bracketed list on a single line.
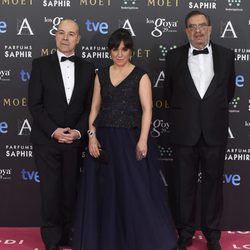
[(122, 204)]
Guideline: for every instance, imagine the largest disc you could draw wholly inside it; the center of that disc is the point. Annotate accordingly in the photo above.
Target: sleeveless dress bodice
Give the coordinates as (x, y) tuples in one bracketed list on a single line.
[(120, 104)]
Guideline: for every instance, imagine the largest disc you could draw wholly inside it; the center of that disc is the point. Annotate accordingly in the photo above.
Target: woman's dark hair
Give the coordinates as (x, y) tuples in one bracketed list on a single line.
[(195, 13), (118, 36)]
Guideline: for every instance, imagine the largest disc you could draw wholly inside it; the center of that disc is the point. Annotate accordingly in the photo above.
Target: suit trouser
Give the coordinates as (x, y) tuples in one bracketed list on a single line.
[(58, 168), (188, 161)]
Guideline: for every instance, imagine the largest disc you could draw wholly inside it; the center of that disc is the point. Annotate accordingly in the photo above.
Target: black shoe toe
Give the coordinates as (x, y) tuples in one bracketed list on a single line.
[(184, 243), (214, 245)]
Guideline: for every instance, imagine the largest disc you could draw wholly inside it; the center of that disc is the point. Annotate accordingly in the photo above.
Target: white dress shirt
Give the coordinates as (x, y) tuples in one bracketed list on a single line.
[(68, 75), (201, 68)]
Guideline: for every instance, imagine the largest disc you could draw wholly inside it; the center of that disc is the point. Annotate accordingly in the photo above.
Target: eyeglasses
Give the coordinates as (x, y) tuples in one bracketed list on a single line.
[(201, 26)]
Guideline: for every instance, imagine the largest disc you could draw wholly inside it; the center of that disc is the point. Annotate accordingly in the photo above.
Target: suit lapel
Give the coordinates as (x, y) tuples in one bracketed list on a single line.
[(217, 69), (77, 80), (58, 76), (188, 80)]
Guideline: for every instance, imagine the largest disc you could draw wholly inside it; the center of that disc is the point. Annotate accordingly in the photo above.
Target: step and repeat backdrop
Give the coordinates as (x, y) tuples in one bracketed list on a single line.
[(27, 31)]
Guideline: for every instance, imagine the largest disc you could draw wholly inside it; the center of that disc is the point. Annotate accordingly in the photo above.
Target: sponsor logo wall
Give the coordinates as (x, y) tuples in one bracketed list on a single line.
[(27, 31)]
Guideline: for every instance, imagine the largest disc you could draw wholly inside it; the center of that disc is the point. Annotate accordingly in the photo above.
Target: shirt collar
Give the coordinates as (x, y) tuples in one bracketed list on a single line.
[(60, 54), (191, 48)]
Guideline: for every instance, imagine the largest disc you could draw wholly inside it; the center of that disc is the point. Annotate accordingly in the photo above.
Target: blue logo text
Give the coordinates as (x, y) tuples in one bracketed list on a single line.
[(101, 27), (30, 175)]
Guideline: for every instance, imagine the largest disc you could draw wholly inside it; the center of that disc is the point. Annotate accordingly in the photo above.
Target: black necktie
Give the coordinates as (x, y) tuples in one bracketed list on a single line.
[(71, 58), (197, 52)]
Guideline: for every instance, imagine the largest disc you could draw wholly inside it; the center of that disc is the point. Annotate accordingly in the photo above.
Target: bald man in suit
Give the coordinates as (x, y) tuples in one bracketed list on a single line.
[(59, 99)]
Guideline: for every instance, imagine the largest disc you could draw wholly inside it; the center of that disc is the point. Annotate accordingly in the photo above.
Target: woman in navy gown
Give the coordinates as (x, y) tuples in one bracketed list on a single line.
[(122, 203)]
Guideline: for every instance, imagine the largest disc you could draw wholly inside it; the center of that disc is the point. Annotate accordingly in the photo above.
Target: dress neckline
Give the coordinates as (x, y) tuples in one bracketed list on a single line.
[(115, 86)]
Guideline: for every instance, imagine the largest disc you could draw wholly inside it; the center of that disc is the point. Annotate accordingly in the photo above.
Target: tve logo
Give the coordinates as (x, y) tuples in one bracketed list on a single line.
[(3, 127), (3, 27), (101, 27), (30, 175), (240, 81), (233, 179), (25, 76)]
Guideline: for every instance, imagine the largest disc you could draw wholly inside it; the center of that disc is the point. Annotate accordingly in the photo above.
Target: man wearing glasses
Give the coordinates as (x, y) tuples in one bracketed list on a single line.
[(199, 85)]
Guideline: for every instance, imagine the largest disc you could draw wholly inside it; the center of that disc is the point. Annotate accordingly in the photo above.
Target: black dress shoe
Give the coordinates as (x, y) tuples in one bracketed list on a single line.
[(182, 248), (65, 242), (184, 243), (52, 247), (214, 245)]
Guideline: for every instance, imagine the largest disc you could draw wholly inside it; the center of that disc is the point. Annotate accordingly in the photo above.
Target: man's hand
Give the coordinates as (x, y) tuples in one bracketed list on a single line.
[(63, 135)]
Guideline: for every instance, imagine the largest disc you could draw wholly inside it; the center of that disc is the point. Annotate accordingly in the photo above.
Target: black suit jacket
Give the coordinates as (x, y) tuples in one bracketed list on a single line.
[(47, 100), (189, 115)]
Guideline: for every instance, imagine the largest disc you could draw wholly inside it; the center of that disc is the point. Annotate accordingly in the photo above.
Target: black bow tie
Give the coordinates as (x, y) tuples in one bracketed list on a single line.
[(71, 58), (203, 51)]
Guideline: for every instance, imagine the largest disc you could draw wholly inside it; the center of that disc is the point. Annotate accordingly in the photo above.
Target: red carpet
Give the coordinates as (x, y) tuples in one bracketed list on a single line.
[(29, 239)]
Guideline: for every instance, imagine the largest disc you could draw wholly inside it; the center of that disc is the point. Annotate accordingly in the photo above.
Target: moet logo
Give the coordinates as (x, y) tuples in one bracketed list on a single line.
[(16, 2), (47, 51), (141, 53), (15, 102), (95, 2), (163, 3), (160, 104)]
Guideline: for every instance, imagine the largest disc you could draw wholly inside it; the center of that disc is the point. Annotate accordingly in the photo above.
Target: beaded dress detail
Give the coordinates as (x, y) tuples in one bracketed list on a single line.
[(121, 103)]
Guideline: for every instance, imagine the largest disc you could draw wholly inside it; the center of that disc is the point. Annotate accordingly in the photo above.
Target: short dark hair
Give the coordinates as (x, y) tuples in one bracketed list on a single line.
[(118, 36), (195, 13)]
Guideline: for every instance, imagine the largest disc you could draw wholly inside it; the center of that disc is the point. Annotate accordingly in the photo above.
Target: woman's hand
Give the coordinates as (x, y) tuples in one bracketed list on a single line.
[(94, 146), (141, 150)]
